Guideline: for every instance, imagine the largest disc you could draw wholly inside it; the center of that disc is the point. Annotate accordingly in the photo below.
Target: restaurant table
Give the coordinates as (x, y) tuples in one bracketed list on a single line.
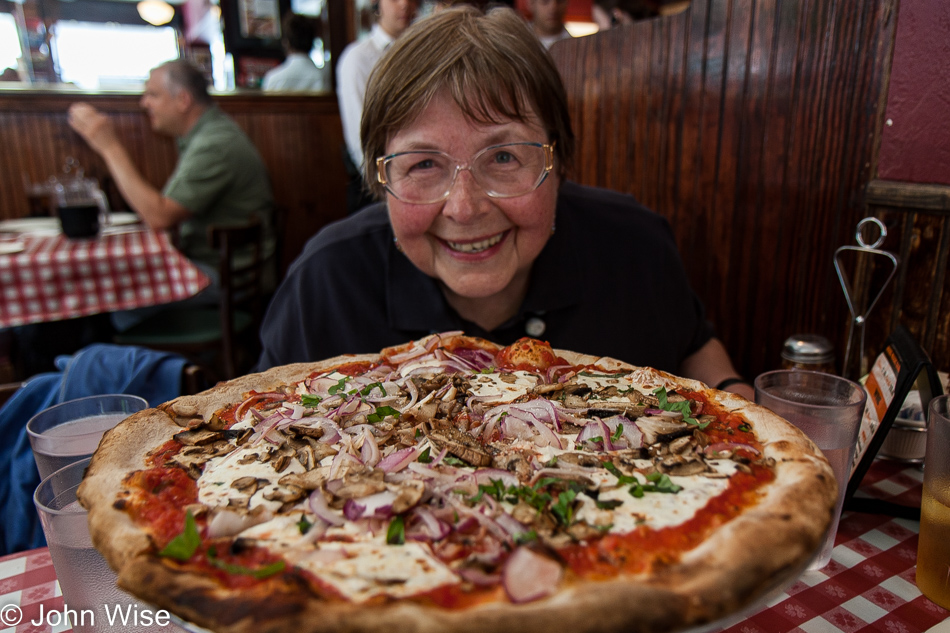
[(868, 586), (45, 276)]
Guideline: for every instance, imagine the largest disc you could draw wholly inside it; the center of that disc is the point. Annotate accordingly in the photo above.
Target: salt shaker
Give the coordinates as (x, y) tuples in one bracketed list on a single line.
[(808, 351)]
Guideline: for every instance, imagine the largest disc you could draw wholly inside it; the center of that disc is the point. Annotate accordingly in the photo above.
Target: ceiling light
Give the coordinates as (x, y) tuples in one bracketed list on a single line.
[(156, 12)]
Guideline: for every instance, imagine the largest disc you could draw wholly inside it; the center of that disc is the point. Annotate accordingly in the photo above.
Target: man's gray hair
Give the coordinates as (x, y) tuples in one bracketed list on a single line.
[(183, 75)]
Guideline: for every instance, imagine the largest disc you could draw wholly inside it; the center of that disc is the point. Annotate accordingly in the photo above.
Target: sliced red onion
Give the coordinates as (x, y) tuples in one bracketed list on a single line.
[(478, 577), (369, 451), (413, 394), (676, 415), (630, 434), (378, 505), (513, 526), (552, 371), (341, 461), (529, 576), (230, 523), (424, 526), (595, 428), (490, 524), (271, 396), (398, 460), (321, 385), (318, 505)]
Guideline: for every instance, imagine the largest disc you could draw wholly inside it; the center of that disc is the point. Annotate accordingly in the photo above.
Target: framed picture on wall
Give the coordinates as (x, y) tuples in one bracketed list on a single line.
[(259, 19)]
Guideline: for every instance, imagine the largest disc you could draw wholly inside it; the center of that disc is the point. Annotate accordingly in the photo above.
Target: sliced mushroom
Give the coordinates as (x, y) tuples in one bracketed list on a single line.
[(247, 485), (514, 462), (585, 460), (566, 474), (460, 444), (356, 485), (661, 429), (198, 437), (285, 494), (681, 444), (408, 494), (309, 480)]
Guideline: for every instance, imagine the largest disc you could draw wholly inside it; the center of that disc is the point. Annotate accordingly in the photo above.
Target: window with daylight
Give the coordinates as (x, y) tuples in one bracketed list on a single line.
[(85, 52)]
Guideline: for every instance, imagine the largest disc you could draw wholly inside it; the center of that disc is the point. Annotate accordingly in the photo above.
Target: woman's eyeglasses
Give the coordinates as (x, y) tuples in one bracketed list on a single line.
[(503, 171)]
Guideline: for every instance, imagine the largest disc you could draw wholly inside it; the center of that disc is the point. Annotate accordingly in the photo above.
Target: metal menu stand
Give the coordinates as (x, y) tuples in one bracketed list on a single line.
[(859, 319)]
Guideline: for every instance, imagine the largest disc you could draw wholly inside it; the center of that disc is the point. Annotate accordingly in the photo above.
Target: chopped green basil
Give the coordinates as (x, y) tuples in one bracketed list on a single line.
[(338, 387), (487, 370), (425, 457), (745, 428), (184, 545), (304, 525), (563, 509), (622, 480), (680, 407), (396, 534), (381, 414), (617, 433), (259, 572), (365, 391), (608, 504), (525, 537), (310, 400)]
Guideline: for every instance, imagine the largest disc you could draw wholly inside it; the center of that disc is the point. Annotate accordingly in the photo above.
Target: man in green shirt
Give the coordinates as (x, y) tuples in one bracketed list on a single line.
[(220, 177)]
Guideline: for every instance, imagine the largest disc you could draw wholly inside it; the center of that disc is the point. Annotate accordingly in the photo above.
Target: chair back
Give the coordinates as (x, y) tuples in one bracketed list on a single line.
[(241, 268)]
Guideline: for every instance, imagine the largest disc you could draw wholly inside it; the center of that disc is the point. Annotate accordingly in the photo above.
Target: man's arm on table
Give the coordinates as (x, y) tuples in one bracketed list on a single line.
[(147, 201), (711, 365)]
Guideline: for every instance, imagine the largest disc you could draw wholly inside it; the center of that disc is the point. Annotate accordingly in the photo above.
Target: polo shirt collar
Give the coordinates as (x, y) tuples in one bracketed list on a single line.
[(204, 119)]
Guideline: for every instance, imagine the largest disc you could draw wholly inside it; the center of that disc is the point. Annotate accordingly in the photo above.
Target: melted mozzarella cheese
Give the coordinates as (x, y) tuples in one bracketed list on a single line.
[(214, 485), (497, 391), (656, 510), (642, 381), (361, 570)]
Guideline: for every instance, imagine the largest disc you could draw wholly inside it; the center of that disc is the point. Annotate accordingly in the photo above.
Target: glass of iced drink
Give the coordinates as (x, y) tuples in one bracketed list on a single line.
[(828, 410), (92, 601), (68, 432), (933, 549)]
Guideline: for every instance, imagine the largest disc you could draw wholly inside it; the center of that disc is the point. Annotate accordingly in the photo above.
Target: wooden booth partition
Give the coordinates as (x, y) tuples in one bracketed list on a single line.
[(917, 217), (750, 125), (299, 137)]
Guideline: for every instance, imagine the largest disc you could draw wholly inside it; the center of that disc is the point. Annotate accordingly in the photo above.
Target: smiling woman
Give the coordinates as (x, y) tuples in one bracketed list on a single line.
[(480, 231)]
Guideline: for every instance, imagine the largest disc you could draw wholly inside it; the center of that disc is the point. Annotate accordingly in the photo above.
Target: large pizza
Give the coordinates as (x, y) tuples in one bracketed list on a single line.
[(450, 484)]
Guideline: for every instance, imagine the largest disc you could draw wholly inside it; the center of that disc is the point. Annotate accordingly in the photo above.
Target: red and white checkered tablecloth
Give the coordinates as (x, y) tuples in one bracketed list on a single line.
[(55, 278), (868, 587)]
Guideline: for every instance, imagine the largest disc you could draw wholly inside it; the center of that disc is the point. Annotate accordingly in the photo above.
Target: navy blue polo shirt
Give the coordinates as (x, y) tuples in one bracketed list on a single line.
[(609, 282)]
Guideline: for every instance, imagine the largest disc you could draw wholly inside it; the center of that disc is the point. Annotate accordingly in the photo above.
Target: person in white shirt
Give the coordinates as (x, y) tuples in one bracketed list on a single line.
[(547, 20), (298, 73), (356, 63)]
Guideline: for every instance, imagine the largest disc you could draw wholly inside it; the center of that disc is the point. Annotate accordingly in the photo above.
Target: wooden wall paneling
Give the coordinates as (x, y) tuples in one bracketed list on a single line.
[(751, 125)]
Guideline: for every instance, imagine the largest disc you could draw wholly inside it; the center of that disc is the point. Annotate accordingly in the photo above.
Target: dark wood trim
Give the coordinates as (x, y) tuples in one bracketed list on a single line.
[(908, 195)]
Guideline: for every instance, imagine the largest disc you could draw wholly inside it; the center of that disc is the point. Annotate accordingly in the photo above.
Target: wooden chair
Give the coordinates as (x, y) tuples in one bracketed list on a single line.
[(222, 340)]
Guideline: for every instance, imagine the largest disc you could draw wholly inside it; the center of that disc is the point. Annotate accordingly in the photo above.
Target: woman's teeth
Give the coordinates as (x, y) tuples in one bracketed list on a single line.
[(475, 247)]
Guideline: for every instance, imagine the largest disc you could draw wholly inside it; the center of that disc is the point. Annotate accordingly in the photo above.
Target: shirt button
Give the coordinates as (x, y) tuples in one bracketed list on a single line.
[(535, 327)]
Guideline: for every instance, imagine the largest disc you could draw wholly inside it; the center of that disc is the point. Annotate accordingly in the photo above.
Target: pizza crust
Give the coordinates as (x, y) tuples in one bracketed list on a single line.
[(720, 576)]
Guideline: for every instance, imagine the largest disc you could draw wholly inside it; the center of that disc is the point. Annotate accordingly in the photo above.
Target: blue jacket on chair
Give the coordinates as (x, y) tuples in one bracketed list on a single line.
[(94, 370)]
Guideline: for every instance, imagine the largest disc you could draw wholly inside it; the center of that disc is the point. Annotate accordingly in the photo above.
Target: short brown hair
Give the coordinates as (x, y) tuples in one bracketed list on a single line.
[(491, 63)]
